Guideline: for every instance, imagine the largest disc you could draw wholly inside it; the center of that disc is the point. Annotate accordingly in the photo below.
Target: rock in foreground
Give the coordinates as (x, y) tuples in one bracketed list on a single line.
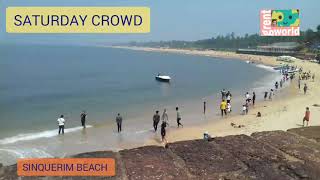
[(263, 155)]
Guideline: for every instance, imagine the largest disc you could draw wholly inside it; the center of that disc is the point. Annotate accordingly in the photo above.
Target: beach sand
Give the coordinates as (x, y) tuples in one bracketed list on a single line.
[(285, 111)]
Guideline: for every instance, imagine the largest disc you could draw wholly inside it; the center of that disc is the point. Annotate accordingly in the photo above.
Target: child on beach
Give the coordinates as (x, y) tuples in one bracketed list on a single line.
[(244, 109), (229, 108), (306, 116)]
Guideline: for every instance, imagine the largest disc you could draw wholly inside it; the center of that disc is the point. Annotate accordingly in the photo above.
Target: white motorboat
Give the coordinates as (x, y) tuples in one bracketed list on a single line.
[(163, 78)]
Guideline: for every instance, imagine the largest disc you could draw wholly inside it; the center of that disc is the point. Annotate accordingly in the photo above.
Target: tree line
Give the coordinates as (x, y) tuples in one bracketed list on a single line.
[(308, 39)]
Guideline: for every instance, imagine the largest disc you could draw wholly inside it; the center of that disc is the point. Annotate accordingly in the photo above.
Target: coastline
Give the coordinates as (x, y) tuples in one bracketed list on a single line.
[(136, 137), (259, 59), (282, 113)]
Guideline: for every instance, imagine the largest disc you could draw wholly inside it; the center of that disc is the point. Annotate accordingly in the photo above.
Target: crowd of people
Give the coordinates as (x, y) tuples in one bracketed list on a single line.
[(225, 106)]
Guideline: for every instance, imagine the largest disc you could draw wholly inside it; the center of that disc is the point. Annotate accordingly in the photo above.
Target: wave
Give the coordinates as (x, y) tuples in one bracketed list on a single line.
[(27, 153), (268, 68), (37, 135)]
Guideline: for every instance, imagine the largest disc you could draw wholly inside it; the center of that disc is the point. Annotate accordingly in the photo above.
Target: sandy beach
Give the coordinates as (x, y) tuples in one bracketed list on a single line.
[(285, 111)]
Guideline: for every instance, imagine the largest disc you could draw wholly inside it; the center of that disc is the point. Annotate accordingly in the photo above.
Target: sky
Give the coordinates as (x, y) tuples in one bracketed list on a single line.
[(171, 19)]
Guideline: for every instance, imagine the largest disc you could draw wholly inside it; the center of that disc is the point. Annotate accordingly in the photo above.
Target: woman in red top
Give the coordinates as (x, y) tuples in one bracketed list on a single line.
[(306, 116)]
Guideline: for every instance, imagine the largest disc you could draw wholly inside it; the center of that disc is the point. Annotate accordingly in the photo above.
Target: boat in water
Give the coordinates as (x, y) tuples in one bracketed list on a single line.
[(163, 78)]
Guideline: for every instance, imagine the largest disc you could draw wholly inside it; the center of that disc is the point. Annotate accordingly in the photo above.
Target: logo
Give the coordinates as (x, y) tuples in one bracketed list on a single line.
[(280, 22)]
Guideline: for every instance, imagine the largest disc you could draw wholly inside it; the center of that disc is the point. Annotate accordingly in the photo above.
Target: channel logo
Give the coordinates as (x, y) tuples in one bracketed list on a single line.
[(280, 22)]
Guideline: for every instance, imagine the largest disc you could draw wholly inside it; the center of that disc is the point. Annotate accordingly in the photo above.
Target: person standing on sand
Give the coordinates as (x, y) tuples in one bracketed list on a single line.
[(306, 116), (178, 117), (223, 94), (299, 83), (313, 76), (204, 107), (119, 122), (223, 107), (229, 97), (163, 130), (248, 97), (164, 116), (156, 120), (305, 88), (61, 123), (83, 116), (265, 95), (271, 94), (253, 98)]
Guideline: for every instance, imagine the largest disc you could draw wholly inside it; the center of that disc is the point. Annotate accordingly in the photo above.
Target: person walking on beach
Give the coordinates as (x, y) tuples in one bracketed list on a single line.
[(61, 123), (306, 116), (313, 76), (276, 85), (253, 98), (223, 94), (156, 120), (163, 130), (228, 96), (119, 122), (223, 107), (178, 117), (229, 108), (305, 88), (265, 95), (83, 116), (164, 116), (270, 94), (204, 107), (248, 97)]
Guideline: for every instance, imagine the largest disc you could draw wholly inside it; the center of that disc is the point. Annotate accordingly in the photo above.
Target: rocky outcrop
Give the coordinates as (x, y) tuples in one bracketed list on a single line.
[(294, 154)]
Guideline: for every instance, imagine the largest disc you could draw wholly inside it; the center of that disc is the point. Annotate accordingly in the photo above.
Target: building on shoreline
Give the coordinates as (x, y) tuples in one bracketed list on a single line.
[(275, 49)]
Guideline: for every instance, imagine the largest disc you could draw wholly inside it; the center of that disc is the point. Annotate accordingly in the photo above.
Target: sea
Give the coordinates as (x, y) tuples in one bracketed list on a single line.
[(38, 83)]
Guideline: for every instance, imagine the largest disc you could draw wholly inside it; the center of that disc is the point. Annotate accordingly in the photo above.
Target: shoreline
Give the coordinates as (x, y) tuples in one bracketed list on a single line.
[(259, 59), (282, 113)]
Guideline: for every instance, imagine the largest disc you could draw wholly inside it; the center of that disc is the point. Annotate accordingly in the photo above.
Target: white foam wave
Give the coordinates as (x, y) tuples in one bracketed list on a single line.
[(268, 68), (27, 153), (32, 136)]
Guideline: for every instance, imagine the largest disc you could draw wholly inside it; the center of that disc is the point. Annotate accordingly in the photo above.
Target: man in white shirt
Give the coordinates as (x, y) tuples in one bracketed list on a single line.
[(248, 97), (61, 122)]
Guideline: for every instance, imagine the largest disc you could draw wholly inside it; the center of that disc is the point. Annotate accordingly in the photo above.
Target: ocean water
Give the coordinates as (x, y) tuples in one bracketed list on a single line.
[(38, 83)]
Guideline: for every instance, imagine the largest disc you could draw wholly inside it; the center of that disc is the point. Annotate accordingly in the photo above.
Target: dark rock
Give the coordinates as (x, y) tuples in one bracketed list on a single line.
[(311, 132), (294, 146), (150, 162), (263, 161), (206, 160)]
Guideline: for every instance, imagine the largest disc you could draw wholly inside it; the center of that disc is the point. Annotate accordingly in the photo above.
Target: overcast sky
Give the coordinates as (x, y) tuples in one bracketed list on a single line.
[(173, 19)]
